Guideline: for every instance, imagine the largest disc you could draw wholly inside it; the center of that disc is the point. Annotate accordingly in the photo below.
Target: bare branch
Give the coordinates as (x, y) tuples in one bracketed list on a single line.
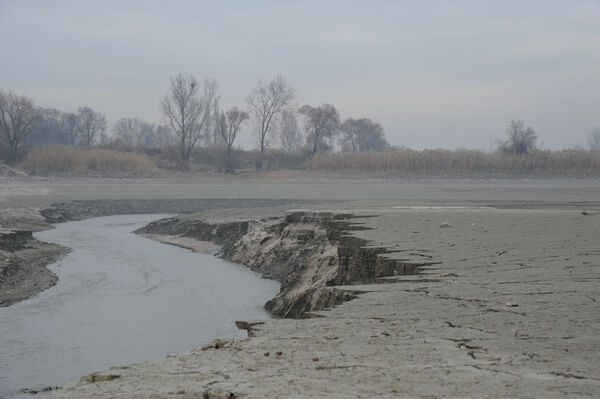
[(89, 125), (521, 140), (186, 112), (290, 135), (19, 120), (362, 135), (265, 103), (228, 127), (321, 123)]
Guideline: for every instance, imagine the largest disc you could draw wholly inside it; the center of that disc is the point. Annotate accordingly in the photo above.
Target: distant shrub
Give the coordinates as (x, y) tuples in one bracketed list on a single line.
[(273, 159), (70, 160), (462, 162)]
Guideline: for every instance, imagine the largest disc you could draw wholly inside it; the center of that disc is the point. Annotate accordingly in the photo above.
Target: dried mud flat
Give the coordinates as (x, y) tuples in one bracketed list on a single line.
[(504, 304)]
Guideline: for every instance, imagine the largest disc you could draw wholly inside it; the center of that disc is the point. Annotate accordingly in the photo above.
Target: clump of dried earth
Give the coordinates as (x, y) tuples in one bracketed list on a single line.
[(23, 259), (504, 304)]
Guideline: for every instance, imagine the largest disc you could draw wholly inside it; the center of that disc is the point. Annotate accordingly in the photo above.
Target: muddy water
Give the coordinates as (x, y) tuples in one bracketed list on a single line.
[(120, 299)]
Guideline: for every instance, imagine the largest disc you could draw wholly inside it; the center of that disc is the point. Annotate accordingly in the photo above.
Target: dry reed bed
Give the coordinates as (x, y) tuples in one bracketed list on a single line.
[(70, 160), (567, 163), (577, 163)]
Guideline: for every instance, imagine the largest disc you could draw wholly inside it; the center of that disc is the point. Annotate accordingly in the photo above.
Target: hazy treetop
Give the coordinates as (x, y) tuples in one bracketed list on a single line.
[(452, 73)]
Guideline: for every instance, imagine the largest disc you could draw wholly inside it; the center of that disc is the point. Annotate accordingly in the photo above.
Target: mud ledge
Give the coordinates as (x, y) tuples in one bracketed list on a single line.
[(24, 260), (79, 210), (308, 252)]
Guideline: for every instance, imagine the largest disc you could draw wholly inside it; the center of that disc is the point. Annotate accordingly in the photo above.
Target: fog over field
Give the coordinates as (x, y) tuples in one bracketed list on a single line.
[(433, 74)]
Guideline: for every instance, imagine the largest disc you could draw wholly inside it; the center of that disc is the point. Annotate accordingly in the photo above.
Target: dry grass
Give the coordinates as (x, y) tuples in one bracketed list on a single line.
[(76, 161), (204, 159), (439, 162), (577, 163)]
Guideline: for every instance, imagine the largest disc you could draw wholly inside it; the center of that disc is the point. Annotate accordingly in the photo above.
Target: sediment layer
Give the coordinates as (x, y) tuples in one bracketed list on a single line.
[(78, 210), (23, 259), (23, 262), (308, 252)]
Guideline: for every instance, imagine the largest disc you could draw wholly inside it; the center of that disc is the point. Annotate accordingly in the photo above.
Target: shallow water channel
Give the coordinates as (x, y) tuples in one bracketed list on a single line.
[(121, 298)]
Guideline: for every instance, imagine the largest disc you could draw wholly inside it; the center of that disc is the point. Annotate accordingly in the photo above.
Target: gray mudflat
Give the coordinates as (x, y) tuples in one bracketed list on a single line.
[(41, 192), (510, 310)]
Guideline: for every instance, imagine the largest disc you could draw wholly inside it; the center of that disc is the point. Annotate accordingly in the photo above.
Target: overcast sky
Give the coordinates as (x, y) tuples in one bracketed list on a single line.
[(433, 73)]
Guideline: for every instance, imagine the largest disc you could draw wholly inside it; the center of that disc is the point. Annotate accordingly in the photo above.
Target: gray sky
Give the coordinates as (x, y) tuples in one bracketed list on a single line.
[(433, 73)]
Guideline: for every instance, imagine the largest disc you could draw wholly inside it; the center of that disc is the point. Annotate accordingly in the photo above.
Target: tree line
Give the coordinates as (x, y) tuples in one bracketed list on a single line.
[(192, 117), (192, 113)]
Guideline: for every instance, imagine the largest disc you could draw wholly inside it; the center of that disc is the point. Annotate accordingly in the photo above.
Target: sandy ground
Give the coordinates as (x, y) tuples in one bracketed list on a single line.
[(510, 310)]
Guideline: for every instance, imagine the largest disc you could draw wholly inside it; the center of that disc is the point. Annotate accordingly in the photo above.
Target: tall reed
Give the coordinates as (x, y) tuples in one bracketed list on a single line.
[(462, 162), (70, 160)]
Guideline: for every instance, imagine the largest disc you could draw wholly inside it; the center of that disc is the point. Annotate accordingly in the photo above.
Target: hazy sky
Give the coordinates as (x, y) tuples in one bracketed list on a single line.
[(433, 73)]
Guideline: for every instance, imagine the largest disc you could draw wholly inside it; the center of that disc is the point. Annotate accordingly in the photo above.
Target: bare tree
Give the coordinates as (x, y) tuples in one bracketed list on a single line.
[(162, 137), (70, 134), (290, 135), (50, 128), (594, 139), (135, 133), (89, 125), (125, 129), (521, 140), (19, 120), (362, 135), (321, 123), (211, 137), (147, 136), (265, 102), (228, 128), (187, 112)]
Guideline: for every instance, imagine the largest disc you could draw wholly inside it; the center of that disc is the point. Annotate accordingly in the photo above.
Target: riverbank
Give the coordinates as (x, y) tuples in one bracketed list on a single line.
[(506, 307), (23, 259), (114, 304)]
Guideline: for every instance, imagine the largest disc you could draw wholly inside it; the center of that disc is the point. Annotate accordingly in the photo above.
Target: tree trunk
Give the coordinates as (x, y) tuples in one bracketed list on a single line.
[(229, 168), (259, 162), (182, 150), (14, 149)]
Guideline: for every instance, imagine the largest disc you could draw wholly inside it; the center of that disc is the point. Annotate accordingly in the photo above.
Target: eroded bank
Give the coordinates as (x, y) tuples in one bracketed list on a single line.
[(507, 306)]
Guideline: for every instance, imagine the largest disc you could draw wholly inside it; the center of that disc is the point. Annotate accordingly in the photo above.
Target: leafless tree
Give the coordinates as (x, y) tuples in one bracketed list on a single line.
[(321, 123), (521, 140), (594, 139), (148, 137), (265, 102), (187, 112), (135, 133), (211, 137), (19, 120), (56, 127), (70, 134), (162, 137), (228, 128), (125, 129), (50, 128), (362, 135), (290, 135), (89, 125)]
